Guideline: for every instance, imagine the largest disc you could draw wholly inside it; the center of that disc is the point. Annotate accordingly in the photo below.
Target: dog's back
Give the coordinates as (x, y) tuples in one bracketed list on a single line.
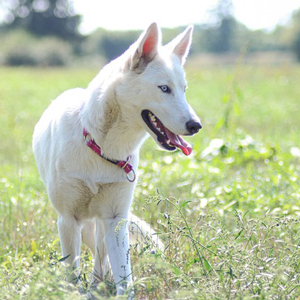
[(56, 128)]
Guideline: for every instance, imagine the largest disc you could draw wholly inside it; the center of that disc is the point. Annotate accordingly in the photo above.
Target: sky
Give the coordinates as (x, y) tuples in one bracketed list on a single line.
[(137, 14)]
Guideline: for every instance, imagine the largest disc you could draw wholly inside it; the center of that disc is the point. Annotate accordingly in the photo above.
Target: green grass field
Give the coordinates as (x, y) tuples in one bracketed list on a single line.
[(229, 214)]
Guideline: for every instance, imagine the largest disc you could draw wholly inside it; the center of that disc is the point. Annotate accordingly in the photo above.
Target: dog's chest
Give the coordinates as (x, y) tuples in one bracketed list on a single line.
[(110, 200)]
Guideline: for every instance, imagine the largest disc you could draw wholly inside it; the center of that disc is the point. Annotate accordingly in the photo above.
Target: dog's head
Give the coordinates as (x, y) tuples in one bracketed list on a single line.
[(155, 86)]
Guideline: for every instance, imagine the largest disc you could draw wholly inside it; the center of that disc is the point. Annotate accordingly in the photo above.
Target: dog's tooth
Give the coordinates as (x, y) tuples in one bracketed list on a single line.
[(160, 130), (168, 142)]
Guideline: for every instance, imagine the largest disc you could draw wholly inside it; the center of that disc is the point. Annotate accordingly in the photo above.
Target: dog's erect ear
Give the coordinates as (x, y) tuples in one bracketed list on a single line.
[(180, 46), (146, 48)]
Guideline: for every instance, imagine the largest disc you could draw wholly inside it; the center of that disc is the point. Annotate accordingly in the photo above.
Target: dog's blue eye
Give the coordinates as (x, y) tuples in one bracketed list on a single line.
[(165, 89)]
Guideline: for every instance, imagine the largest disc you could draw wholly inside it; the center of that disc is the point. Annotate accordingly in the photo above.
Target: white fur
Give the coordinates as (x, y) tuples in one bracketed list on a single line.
[(91, 195)]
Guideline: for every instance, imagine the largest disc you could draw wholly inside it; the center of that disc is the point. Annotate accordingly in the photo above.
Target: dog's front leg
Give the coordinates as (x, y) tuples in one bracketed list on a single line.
[(70, 241), (117, 244), (101, 267)]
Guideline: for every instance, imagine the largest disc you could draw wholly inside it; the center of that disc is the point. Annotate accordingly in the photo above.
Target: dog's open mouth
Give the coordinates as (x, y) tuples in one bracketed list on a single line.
[(166, 138)]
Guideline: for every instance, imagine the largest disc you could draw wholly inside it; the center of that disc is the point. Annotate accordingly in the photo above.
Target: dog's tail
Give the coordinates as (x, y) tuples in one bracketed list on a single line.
[(142, 235)]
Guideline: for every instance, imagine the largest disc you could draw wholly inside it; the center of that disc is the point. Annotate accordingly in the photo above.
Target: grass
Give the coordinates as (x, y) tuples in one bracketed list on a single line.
[(228, 215)]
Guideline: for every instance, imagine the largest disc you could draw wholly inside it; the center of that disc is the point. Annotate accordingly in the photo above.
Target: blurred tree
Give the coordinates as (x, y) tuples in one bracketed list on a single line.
[(297, 46), (109, 44), (42, 17), (114, 44), (296, 28), (220, 36)]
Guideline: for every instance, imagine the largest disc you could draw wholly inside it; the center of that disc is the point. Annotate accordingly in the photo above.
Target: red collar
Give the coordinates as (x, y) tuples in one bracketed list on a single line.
[(123, 164)]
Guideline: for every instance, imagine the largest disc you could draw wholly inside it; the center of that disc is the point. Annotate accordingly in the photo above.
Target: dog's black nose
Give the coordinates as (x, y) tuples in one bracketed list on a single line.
[(193, 126)]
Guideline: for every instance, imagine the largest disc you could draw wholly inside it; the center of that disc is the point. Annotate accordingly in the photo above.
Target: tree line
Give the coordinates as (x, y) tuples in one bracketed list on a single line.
[(45, 32)]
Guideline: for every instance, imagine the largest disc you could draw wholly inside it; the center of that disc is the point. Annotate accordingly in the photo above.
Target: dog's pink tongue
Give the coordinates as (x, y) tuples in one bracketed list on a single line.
[(179, 142)]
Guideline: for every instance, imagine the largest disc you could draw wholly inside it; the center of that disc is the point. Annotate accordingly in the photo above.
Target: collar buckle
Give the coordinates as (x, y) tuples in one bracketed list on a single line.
[(131, 179)]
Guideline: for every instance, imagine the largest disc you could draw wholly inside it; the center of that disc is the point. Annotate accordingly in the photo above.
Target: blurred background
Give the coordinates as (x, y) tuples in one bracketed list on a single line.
[(74, 32)]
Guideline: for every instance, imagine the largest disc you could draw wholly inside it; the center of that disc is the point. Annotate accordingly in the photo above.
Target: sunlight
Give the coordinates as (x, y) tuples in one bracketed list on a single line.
[(131, 14)]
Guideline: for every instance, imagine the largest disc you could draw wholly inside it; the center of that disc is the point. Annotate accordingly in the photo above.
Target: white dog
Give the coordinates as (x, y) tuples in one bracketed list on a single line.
[(87, 143)]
